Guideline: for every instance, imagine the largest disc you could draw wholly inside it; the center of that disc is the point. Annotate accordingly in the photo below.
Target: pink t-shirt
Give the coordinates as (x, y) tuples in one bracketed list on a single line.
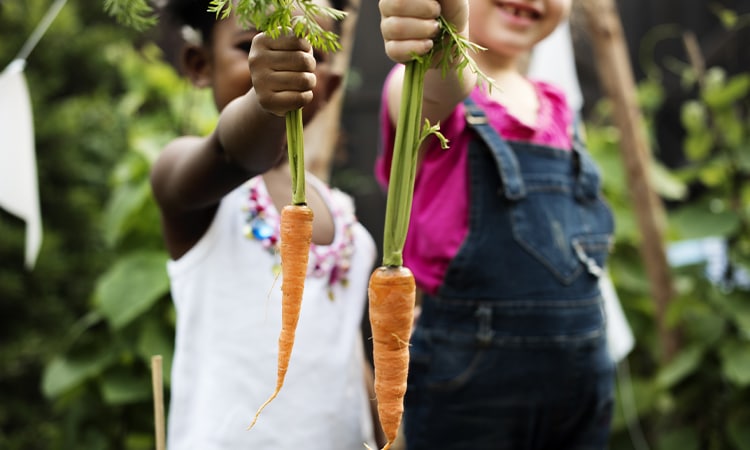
[(439, 219)]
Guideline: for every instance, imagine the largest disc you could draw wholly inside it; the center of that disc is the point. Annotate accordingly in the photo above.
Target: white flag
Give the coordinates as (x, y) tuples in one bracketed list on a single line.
[(19, 190)]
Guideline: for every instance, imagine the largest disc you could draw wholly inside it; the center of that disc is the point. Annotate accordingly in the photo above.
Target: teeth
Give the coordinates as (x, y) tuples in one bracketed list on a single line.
[(519, 12)]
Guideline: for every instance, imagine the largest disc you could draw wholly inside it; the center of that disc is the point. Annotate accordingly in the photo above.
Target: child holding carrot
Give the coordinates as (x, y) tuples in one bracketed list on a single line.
[(220, 198), (507, 240)]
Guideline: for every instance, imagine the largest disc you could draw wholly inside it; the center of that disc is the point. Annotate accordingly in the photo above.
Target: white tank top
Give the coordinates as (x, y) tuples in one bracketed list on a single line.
[(227, 297)]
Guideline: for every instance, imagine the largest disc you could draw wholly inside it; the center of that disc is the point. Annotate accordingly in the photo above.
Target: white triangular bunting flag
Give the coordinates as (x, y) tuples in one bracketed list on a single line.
[(19, 190)]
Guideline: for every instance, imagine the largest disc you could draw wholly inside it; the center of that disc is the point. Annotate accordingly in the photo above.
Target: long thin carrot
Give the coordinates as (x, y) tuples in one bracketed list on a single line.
[(296, 236), (392, 289), (276, 17), (392, 295), (295, 239)]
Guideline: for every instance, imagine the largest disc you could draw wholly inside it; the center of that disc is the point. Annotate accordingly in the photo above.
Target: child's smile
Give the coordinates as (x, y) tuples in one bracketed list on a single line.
[(510, 28), (520, 11)]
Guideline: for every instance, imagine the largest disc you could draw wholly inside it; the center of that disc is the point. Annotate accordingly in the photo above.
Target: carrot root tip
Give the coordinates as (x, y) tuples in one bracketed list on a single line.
[(257, 413)]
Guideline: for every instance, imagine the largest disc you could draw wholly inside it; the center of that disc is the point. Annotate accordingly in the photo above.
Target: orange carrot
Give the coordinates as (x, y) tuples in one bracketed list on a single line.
[(295, 238), (392, 288), (392, 294)]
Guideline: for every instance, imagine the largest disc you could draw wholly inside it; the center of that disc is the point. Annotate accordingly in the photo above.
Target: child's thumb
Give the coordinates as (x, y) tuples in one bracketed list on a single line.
[(456, 12)]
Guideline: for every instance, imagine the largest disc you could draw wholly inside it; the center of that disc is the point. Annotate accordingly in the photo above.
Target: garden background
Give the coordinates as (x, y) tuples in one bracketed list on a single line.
[(78, 330)]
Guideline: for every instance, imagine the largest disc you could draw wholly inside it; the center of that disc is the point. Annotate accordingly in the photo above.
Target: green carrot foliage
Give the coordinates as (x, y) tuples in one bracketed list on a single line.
[(272, 16), (278, 16), (136, 14), (455, 53)]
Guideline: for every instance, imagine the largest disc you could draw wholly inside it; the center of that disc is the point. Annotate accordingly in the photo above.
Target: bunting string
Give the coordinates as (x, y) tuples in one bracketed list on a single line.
[(40, 29)]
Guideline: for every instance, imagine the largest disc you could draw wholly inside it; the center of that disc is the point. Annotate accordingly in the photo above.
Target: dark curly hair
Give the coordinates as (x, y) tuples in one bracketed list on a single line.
[(194, 13)]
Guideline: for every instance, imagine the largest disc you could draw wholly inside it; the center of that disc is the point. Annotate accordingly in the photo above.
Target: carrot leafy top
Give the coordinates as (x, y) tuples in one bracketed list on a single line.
[(272, 16), (278, 16)]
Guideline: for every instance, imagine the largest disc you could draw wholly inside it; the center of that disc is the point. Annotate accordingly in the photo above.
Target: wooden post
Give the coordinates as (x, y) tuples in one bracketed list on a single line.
[(157, 384), (616, 77), (323, 133)]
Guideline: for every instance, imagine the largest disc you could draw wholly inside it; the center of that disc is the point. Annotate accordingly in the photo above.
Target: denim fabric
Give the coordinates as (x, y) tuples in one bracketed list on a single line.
[(512, 353)]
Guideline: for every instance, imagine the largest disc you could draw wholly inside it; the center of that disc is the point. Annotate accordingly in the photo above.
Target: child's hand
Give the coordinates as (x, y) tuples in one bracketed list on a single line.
[(409, 26), (283, 72)]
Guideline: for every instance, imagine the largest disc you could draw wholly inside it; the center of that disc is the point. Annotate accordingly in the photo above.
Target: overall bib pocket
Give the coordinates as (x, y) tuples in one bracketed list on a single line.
[(568, 236)]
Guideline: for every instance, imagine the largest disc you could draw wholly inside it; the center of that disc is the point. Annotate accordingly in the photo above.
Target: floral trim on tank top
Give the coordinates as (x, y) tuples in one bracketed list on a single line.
[(262, 224)]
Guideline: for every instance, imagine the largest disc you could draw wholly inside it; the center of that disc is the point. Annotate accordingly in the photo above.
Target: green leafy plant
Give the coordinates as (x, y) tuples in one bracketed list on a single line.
[(102, 370), (133, 13), (79, 137), (698, 400)]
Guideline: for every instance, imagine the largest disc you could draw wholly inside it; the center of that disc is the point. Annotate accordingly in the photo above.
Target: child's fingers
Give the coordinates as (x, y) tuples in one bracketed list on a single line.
[(283, 42), (269, 56), (280, 103), (279, 61), (404, 51), (455, 12), (281, 81), (408, 27), (286, 52), (406, 37), (283, 91), (423, 9), (282, 71)]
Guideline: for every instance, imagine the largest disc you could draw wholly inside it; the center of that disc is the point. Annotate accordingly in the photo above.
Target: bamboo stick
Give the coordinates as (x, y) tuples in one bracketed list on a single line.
[(616, 77), (157, 382)]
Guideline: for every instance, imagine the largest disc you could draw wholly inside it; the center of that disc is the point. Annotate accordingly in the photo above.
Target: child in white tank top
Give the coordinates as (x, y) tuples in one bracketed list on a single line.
[(219, 198)]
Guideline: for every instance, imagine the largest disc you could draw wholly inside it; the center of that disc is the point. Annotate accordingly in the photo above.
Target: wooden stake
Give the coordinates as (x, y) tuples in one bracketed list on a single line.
[(323, 132), (616, 77), (157, 382)]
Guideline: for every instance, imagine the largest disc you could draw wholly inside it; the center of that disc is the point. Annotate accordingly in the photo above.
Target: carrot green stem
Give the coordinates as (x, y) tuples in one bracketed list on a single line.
[(404, 164), (452, 50), (295, 147)]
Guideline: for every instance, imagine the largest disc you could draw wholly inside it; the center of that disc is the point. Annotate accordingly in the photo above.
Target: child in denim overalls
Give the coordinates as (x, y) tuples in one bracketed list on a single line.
[(508, 238)]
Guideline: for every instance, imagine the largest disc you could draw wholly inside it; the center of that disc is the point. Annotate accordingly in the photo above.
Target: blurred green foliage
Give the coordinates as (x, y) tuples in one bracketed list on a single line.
[(79, 330), (79, 138), (700, 398)]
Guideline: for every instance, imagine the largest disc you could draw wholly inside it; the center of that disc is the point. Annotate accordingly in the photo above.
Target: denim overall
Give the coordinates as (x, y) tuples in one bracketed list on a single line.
[(511, 353)]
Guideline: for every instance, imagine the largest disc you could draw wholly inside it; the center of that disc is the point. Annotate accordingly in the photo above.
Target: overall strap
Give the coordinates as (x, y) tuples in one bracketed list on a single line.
[(507, 164), (587, 175)]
